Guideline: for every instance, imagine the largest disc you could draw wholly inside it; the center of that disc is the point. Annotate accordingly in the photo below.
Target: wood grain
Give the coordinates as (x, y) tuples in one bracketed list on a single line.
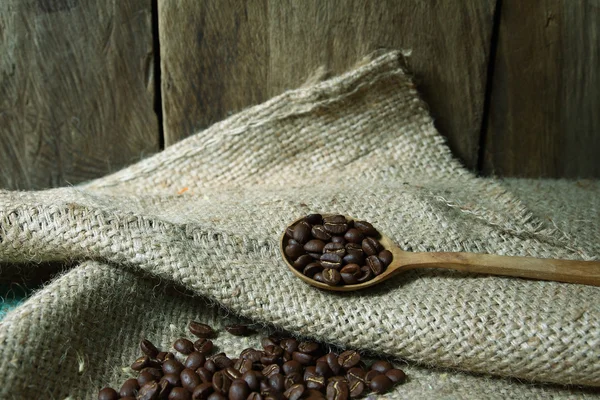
[(219, 57), (76, 89), (544, 118)]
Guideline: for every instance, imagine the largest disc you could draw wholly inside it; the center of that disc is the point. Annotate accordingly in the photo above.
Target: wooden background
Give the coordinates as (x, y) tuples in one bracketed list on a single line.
[(90, 86)]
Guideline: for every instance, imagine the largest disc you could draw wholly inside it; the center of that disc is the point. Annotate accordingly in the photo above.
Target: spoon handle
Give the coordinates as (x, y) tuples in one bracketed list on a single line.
[(573, 271)]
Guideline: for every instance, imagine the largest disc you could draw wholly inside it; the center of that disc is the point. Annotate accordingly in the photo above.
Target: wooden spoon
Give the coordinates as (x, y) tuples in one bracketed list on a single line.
[(572, 271)]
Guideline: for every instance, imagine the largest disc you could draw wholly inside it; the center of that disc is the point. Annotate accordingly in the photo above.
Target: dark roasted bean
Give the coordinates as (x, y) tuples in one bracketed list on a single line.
[(239, 330), (332, 361), (371, 246), (267, 341), (277, 382), (251, 354), (356, 373), (290, 345), (349, 359), (335, 224), (164, 388), (179, 393), (108, 393), (381, 384), (338, 390), (270, 370), (194, 360), (216, 396), (221, 382), (366, 275), (354, 259), (239, 390), (291, 366), (322, 368), (173, 379), (202, 391), (302, 261), (350, 273), (302, 358), (252, 378), (331, 276), (314, 219), (254, 396), (336, 248), (201, 330), (172, 367), (148, 348), (222, 361), (189, 379), (145, 377), (160, 357), (183, 345), (396, 375), (243, 365), (293, 379), (309, 347), (155, 372), (294, 251), (274, 350), (370, 375), (382, 366), (366, 228), (141, 363), (210, 365), (375, 265), (289, 232), (354, 236), (319, 277), (331, 260), (129, 388), (294, 392), (313, 268), (319, 232), (356, 388), (314, 246), (338, 239), (149, 391), (386, 257), (302, 232)]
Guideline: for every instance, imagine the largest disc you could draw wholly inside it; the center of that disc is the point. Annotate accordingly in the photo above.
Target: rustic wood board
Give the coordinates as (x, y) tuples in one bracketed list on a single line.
[(219, 57), (544, 118), (76, 90)]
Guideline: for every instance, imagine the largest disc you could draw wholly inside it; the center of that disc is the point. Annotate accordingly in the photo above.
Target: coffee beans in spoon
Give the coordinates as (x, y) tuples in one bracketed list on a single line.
[(335, 250)]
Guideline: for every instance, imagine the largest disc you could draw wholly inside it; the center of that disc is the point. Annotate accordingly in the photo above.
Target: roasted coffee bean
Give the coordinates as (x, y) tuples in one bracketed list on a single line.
[(160, 357), (338, 239), (366, 274), (349, 359), (189, 379), (314, 246), (316, 382), (381, 384), (386, 257), (277, 382), (302, 232), (354, 236), (336, 248), (202, 391), (322, 368), (302, 261), (204, 374), (312, 394), (222, 361), (194, 360), (294, 392), (308, 347), (271, 369), (337, 378), (155, 372), (140, 363), (354, 259), (168, 356), (216, 396), (239, 330), (271, 394), (243, 365), (370, 375), (332, 361), (356, 373), (335, 224), (251, 354), (201, 330), (173, 379), (371, 246), (314, 219), (148, 348), (375, 265), (315, 256), (331, 276), (108, 393), (290, 345), (172, 367), (291, 367), (145, 377), (274, 350), (164, 389), (313, 268), (366, 228), (221, 382), (129, 388), (338, 390), (396, 375), (303, 358), (319, 277), (204, 346), (350, 273), (319, 232), (289, 232), (356, 388), (354, 248), (331, 260), (149, 391), (293, 379), (210, 365), (179, 393), (294, 251), (267, 341), (382, 366), (238, 390), (254, 396), (183, 345)]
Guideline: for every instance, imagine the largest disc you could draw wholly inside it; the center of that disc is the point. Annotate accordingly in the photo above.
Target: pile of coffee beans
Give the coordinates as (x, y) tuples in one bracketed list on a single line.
[(334, 250), (285, 369)]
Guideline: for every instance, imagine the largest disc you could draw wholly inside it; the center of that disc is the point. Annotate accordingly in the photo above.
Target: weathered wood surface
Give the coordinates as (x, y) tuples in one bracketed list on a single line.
[(218, 57), (544, 117), (76, 89)]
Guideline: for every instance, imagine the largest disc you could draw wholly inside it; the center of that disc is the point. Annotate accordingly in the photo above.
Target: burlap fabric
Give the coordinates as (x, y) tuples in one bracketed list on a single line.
[(192, 233)]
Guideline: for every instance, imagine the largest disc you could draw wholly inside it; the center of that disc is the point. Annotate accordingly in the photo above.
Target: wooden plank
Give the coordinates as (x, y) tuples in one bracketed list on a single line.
[(76, 89), (544, 118), (252, 50)]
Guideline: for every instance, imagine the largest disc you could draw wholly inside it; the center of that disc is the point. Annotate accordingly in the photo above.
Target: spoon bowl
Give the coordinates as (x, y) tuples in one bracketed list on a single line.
[(571, 271)]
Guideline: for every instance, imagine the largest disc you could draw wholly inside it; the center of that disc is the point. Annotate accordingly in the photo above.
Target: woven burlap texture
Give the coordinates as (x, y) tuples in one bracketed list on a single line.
[(206, 215)]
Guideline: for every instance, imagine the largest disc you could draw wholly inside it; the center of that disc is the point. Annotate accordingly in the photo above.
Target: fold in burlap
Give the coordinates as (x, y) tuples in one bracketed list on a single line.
[(205, 215)]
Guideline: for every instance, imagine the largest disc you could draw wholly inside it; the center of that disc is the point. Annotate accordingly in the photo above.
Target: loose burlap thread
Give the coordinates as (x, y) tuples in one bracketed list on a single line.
[(192, 233)]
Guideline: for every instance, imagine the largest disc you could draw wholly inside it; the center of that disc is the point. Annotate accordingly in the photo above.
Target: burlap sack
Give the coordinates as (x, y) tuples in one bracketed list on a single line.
[(192, 233)]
